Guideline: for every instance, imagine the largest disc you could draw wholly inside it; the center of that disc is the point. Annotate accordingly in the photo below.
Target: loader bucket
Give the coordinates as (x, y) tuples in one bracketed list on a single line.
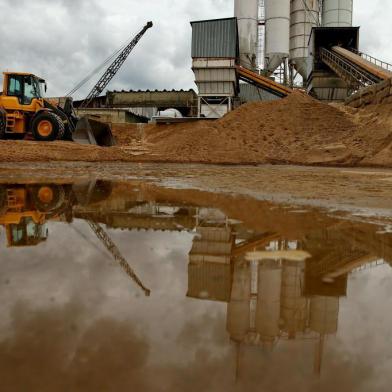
[(89, 131)]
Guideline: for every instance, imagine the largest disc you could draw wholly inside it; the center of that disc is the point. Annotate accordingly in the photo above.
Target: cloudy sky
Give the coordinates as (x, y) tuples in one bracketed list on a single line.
[(63, 40)]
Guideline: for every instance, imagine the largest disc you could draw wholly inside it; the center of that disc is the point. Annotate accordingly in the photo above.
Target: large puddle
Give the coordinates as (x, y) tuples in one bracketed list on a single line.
[(129, 286)]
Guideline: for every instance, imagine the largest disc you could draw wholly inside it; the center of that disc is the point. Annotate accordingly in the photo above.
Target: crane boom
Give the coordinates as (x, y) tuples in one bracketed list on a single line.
[(114, 67), (112, 248)]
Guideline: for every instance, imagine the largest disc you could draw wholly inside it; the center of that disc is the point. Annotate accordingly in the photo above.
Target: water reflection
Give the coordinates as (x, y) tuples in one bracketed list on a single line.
[(277, 275), (280, 288)]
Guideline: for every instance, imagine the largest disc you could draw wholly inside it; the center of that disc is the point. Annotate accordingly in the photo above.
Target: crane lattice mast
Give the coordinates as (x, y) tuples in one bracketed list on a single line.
[(114, 67), (112, 248)]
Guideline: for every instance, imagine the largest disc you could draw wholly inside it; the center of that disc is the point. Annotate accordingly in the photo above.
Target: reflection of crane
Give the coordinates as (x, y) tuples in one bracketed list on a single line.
[(112, 248), (111, 71)]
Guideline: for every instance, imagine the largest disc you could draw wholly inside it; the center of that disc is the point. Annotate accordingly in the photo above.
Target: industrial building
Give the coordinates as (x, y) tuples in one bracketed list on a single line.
[(267, 49), (307, 44), (139, 106)]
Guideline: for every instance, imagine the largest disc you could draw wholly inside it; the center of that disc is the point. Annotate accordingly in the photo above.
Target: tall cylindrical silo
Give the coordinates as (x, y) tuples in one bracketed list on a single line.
[(268, 302), (304, 16), (277, 33), (337, 13), (293, 303), (238, 309), (247, 13)]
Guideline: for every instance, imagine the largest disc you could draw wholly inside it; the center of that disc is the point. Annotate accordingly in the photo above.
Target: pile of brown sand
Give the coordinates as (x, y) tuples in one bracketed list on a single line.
[(295, 130), (277, 131)]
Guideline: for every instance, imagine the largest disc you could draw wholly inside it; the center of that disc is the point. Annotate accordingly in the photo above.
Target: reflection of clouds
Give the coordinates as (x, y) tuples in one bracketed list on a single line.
[(49, 351), (61, 349), (73, 320)]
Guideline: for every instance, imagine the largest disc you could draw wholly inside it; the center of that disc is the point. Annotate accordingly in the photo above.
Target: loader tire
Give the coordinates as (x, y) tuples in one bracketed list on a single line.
[(48, 197), (3, 123), (47, 126)]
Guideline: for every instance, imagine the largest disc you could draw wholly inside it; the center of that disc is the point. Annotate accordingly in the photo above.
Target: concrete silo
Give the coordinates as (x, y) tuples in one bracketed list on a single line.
[(304, 16), (238, 309), (246, 12), (337, 13), (293, 302), (277, 33), (268, 301)]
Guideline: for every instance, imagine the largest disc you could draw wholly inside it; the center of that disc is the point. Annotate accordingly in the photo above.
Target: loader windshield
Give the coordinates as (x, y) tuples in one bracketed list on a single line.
[(25, 87), (27, 232), (32, 89)]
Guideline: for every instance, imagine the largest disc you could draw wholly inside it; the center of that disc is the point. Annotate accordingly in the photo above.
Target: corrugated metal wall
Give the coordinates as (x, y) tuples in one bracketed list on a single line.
[(215, 38), (250, 93), (210, 281)]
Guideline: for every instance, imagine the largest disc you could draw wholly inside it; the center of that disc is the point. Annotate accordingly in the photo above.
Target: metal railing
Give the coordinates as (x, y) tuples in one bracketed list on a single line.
[(354, 76), (373, 60), (368, 266)]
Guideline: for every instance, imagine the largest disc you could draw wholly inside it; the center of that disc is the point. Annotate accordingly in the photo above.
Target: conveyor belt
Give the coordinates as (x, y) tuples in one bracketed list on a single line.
[(263, 82), (352, 68), (366, 65)]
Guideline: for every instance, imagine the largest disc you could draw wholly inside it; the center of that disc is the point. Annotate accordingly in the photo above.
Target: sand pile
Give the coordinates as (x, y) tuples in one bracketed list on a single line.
[(296, 130)]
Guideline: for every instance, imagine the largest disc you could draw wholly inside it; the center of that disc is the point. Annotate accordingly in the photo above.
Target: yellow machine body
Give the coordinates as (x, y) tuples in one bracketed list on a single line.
[(17, 103), (18, 211)]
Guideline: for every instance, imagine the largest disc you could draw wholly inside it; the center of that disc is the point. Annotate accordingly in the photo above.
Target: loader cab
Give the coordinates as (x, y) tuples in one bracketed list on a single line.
[(25, 87), (26, 233)]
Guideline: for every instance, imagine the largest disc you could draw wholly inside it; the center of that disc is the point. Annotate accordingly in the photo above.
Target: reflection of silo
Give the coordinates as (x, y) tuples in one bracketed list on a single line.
[(247, 12), (293, 303), (277, 33), (324, 312), (302, 21), (238, 310), (337, 13), (268, 301)]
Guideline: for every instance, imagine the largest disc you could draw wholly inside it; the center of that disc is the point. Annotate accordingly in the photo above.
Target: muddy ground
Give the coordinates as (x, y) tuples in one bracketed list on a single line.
[(360, 191)]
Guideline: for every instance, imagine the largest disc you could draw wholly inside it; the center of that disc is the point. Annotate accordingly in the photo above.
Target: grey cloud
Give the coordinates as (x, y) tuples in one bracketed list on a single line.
[(65, 40)]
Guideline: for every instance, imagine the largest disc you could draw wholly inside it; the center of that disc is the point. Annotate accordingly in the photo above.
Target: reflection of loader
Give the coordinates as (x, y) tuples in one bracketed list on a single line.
[(24, 111), (25, 209)]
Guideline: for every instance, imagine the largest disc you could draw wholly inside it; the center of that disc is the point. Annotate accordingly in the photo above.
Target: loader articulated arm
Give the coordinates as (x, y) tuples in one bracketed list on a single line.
[(112, 248), (114, 67)]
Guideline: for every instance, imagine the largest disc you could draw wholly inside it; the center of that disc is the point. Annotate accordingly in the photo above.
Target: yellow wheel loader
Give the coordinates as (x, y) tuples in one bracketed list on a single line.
[(24, 211), (26, 208), (25, 113)]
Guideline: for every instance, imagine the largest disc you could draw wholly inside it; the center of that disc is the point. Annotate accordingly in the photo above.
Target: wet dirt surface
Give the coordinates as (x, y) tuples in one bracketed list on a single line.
[(365, 191), (247, 294)]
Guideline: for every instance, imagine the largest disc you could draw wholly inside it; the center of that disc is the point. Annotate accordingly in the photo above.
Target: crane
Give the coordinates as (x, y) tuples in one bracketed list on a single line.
[(112, 70), (112, 248)]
